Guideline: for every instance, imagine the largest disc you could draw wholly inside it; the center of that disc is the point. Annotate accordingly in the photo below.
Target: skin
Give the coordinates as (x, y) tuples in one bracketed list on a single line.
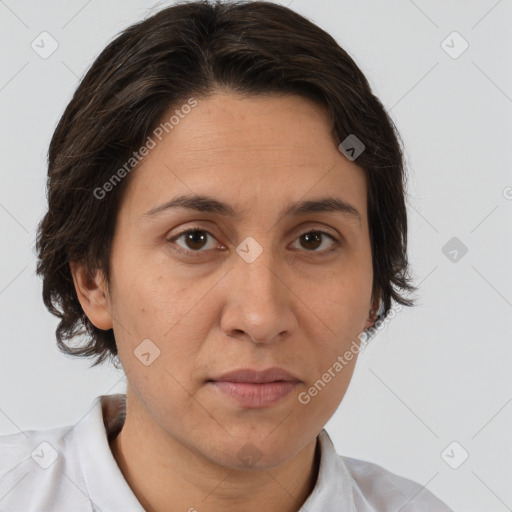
[(299, 305)]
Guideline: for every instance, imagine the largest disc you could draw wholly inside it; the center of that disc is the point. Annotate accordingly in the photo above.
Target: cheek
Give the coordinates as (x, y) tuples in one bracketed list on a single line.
[(343, 307), (344, 304), (150, 300), (320, 397), (176, 317), (343, 310), (159, 334)]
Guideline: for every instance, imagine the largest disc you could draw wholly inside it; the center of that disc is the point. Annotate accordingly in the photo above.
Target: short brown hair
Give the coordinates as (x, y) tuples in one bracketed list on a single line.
[(194, 49)]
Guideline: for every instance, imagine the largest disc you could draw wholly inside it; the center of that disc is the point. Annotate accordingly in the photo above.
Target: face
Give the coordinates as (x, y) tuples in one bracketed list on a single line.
[(240, 283)]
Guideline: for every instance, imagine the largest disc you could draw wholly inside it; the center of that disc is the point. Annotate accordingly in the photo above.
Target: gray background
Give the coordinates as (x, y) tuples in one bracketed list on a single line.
[(439, 372)]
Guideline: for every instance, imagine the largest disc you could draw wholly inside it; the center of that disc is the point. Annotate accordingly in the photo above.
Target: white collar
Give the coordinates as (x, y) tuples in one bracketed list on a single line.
[(332, 491)]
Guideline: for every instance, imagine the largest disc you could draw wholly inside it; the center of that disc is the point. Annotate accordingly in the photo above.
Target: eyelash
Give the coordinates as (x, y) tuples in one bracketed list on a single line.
[(336, 243)]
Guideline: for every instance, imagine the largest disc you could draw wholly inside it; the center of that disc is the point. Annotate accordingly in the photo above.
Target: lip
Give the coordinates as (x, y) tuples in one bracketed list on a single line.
[(257, 376), (255, 389)]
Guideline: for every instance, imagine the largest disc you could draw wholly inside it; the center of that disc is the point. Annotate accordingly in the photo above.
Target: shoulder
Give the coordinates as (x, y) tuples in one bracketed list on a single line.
[(41, 466), (30, 449), (357, 485), (67, 468), (384, 491)]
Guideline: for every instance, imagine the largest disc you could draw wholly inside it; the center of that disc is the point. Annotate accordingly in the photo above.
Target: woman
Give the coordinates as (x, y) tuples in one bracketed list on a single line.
[(227, 223)]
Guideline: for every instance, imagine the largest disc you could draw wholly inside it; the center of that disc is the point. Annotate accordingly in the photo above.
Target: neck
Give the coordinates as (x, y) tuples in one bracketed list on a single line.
[(163, 472)]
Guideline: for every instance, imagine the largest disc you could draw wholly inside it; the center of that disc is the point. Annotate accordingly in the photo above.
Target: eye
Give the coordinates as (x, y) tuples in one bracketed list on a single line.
[(314, 239), (194, 239)]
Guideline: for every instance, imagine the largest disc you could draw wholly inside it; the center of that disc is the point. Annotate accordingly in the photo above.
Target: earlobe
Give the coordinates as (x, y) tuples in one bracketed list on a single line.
[(372, 314), (370, 320), (93, 295)]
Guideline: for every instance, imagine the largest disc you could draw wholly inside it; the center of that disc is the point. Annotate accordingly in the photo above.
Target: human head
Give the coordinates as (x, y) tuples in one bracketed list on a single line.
[(188, 51)]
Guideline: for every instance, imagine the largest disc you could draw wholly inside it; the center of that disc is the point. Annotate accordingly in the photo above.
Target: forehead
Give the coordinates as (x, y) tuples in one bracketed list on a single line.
[(245, 150)]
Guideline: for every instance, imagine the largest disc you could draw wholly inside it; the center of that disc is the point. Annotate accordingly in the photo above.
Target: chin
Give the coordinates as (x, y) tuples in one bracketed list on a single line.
[(254, 450)]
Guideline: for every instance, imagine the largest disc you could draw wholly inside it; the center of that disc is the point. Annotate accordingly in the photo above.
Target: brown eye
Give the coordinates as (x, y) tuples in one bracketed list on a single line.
[(195, 240), (312, 240)]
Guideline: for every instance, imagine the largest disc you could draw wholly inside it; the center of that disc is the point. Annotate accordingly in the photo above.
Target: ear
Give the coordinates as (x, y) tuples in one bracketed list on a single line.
[(372, 317), (92, 293)]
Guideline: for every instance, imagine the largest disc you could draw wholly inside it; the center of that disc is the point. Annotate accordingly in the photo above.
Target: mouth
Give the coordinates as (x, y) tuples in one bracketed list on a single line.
[(253, 388), (248, 375)]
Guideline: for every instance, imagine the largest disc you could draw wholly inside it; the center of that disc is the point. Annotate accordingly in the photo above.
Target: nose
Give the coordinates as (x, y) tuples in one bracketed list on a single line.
[(259, 303)]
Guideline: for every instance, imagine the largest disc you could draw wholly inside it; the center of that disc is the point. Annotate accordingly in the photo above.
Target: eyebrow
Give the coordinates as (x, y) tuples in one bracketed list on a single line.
[(207, 204)]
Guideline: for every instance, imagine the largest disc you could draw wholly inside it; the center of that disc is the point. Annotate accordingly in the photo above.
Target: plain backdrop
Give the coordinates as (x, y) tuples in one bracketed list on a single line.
[(439, 373)]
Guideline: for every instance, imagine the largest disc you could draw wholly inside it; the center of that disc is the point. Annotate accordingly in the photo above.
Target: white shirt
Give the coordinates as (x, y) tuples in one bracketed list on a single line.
[(72, 469)]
